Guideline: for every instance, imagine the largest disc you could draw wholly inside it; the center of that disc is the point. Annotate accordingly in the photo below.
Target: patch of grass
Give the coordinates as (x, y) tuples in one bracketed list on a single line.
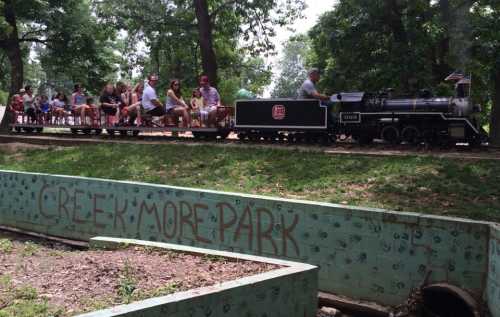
[(453, 187), (6, 246), (30, 249), (127, 284), (165, 290), (213, 258), (23, 301)]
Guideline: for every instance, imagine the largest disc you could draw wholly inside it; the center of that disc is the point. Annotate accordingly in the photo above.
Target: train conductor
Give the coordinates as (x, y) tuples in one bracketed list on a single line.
[(308, 89)]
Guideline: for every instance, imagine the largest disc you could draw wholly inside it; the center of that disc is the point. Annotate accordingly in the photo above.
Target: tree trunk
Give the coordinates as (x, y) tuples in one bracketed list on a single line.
[(495, 111), (12, 47), (208, 58)]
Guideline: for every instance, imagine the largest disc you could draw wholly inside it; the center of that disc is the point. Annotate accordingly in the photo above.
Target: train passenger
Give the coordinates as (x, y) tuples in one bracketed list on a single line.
[(150, 101), (199, 114), (175, 104), (45, 108), (29, 104), (110, 103), (59, 108), (308, 89), (212, 99), (79, 103), (125, 100), (134, 110), (128, 107)]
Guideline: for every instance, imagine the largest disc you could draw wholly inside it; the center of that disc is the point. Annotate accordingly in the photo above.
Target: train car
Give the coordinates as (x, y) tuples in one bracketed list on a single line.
[(100, 123), (283, 119)]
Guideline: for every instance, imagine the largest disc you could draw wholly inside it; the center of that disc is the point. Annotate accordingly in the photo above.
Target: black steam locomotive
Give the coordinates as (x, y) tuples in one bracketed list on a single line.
[(364, 117)]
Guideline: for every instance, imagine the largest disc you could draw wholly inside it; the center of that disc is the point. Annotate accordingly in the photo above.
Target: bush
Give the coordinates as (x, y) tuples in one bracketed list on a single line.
[(4, 96)]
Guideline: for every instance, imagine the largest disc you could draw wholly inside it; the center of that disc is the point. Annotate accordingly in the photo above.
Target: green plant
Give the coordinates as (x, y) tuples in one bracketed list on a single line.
[(6, 246), (30, 249), (127, 283), (26, 292), (213, 258)]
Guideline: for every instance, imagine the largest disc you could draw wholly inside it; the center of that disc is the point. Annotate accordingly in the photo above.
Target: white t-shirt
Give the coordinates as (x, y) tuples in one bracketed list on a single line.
[(148, 95)]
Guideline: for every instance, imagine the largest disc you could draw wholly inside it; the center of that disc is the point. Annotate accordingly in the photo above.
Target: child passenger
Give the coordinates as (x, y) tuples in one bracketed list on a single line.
[(198, 111)]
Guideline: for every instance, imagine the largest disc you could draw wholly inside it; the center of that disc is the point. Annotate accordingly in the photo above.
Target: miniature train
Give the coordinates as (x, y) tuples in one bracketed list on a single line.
[(360, 116)]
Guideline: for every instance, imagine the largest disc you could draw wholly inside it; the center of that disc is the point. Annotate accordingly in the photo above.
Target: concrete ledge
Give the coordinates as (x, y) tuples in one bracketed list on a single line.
[(288, 291)]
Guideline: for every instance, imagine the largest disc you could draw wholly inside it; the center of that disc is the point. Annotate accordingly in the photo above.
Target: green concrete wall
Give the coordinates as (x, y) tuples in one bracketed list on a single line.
[(290, 291), (493, 290), (365, 254)]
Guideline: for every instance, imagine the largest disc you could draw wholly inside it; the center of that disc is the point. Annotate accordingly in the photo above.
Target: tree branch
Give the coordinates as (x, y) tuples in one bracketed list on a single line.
[(34, 40)]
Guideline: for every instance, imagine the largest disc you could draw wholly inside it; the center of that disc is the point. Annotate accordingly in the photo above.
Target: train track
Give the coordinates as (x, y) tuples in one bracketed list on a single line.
[(341, 148)]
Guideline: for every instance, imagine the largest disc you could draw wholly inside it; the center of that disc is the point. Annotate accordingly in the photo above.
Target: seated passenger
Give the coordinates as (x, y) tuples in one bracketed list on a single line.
[(45, 108), (134, 109), (91, 110), (150, 102), (133, 101), (199, 114), (59, 108), (79, 103), (175, 104), (110, 103), (212, 100)]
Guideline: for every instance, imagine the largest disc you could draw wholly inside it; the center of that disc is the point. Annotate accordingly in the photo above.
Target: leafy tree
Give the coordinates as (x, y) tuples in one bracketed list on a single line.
[(292, 67), (67, 37), (486, 54)]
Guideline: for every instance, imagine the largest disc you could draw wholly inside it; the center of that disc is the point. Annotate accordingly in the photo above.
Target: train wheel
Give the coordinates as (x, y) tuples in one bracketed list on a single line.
[(135, 132), (28, 130), (365, 140), (17, 129), (242, 136), (123, 132), (390, 134), (110, 132), (410, 135), (224, 134), (74, 131), (98, 131), (87, 131)]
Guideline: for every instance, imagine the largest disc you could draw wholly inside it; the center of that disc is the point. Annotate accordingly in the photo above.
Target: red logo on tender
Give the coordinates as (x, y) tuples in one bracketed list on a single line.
[(279, 112)]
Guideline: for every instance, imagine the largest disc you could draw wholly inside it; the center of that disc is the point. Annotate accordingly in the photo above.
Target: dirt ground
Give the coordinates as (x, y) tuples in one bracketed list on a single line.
[(13, 148), (77, 281)]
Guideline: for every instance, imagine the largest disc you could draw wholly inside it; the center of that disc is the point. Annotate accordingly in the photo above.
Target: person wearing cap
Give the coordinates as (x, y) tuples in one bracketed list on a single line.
[(212, 99), (150, 101), (308, 89)]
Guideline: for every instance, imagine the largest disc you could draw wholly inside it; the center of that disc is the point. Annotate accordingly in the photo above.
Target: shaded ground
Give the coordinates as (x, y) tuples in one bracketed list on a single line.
[(452, 187), (46, 279)]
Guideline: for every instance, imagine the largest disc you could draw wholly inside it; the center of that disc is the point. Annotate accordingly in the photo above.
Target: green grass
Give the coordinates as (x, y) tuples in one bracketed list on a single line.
[(451, 187), (23, 301)]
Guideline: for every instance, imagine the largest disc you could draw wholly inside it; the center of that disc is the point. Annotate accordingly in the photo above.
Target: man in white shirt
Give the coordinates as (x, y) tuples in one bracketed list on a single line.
[(150, 101)]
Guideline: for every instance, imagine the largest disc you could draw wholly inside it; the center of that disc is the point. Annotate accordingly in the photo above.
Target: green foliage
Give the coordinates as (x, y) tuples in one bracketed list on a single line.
[(23, 301), (127, 283), (4, 98), (30, 249), (419, 184), (6, 246), (292, 67)]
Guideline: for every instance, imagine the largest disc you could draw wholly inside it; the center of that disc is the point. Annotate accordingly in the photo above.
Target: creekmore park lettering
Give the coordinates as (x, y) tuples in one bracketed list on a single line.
[(253, 228)]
